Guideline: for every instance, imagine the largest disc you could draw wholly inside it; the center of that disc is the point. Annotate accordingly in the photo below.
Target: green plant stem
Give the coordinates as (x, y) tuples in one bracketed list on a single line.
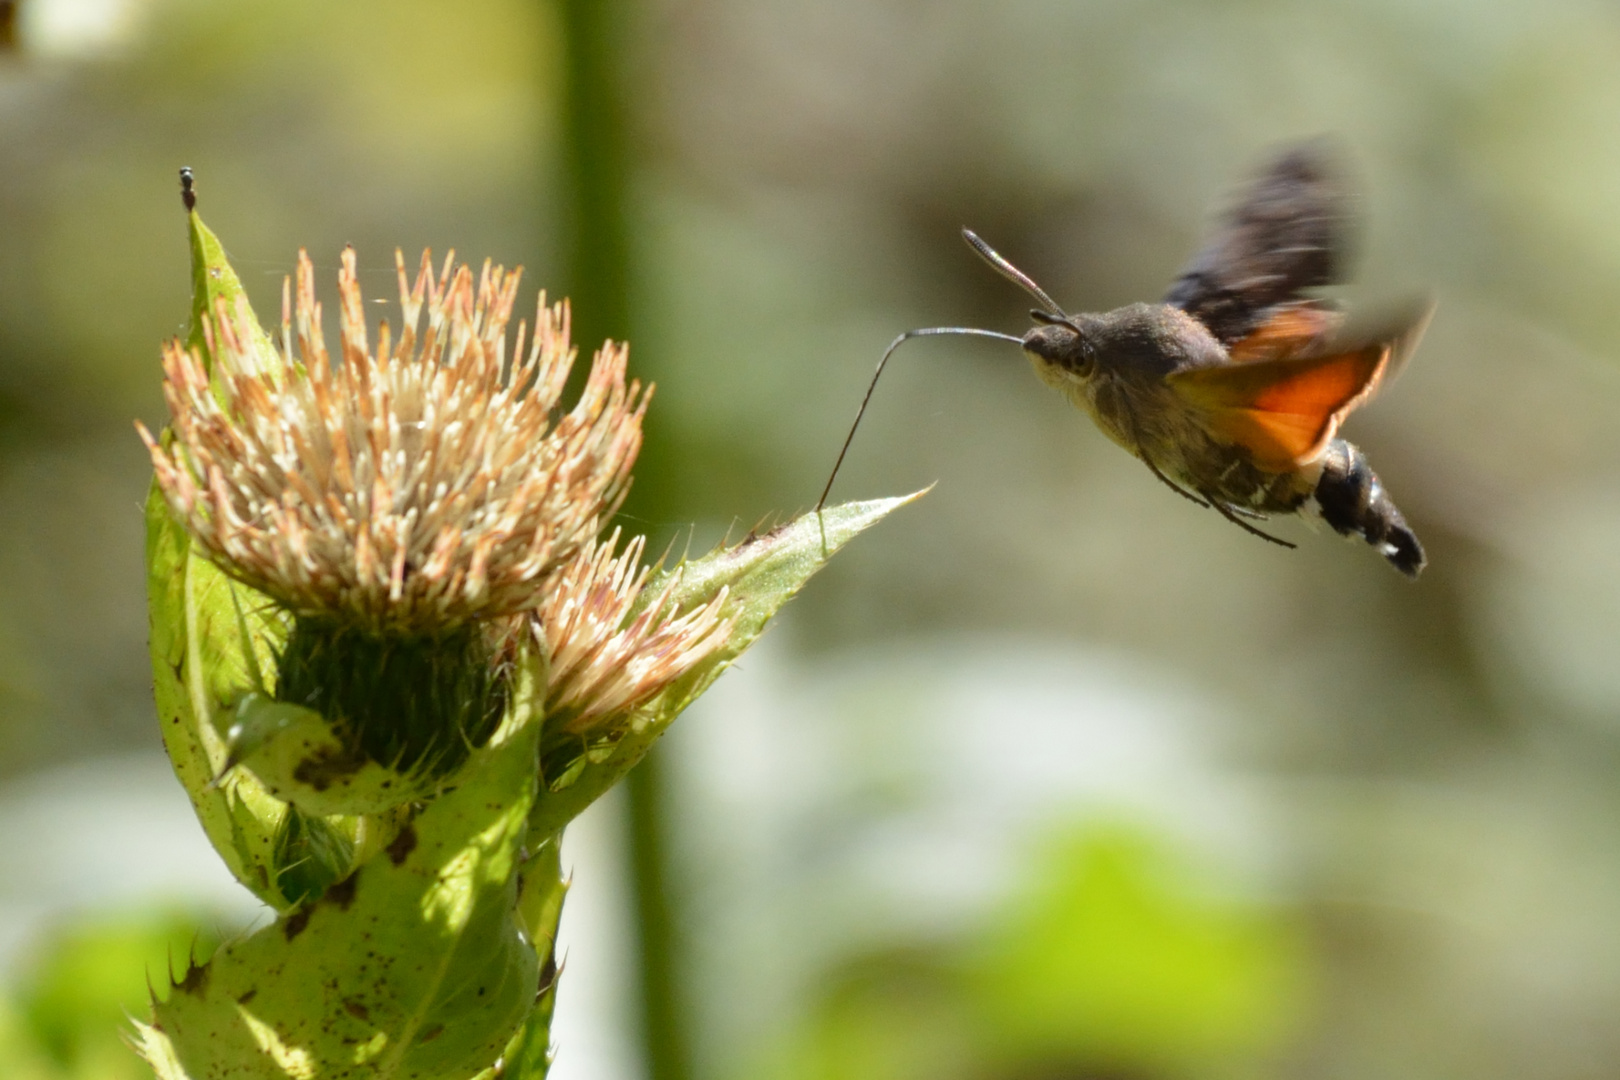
[(597, 183), (663, 1027), (597, 171)]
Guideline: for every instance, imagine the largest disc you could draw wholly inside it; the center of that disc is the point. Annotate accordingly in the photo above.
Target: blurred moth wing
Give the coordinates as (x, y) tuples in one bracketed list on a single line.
[(1282, 411), (1285, 409), (1293, 330)]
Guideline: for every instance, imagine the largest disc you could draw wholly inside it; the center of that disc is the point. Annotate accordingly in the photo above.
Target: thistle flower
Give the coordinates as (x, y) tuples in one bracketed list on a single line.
[(401, 503), (411, 489), (428, 526), (609, 652)]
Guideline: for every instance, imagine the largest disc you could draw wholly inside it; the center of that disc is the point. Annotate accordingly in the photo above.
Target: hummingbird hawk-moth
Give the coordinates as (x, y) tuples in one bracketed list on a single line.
[(1232, 388)]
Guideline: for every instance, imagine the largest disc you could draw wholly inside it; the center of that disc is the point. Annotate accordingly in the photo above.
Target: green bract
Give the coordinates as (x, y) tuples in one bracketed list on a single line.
[(760, 574), (413, 965)]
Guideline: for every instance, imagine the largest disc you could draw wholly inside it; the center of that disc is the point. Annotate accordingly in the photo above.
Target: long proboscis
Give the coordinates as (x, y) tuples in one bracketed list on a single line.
[(932, 331)]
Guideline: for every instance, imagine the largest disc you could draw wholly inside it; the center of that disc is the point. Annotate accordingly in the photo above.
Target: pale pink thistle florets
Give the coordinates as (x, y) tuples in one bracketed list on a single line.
[(414, 488), (608, 651)]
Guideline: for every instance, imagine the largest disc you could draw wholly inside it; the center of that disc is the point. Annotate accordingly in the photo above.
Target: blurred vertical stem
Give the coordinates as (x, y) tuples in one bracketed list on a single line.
[(597, 179), (597, 184)]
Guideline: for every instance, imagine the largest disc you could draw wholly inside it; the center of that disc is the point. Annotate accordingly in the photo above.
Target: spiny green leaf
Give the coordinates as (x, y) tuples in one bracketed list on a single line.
[(84, 977), (199, 667), (760, 575), (414, 966), (212, 281), (211, 639)]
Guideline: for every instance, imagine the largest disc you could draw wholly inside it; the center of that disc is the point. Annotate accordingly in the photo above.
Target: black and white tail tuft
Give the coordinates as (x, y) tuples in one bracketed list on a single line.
[(1351, 499)]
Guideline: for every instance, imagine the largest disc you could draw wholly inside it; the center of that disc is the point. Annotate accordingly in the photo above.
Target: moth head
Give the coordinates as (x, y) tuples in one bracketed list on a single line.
[(1061, 343)]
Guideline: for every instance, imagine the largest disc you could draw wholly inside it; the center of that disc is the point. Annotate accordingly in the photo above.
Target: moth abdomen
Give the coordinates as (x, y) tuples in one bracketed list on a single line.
[(1350, 498)]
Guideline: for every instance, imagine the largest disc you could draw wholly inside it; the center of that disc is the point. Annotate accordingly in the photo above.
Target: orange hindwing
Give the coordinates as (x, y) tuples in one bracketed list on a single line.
[(1283, 405), (1283, 411)]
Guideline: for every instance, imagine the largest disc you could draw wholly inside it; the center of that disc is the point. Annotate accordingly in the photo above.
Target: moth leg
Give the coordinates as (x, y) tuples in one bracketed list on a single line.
[(1226, 512), (1241, 511), (1172, 485)]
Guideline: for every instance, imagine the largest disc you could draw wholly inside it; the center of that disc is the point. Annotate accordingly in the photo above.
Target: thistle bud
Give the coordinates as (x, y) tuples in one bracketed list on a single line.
[(610, 646)]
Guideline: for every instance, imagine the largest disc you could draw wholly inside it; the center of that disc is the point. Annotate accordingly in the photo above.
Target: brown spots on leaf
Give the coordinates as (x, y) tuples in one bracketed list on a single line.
[(402, 845), (195, 980), (357, 1010), (247, 997), (764, 529), (342, 893), (429, 1034), (329, 765), (295, 924)]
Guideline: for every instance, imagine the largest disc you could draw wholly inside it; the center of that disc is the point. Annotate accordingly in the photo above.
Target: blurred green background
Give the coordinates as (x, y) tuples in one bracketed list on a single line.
[(1054, 775)]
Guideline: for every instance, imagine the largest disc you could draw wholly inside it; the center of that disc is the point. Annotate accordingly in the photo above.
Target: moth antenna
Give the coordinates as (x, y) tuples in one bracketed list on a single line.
[(1013, 274), (932, 331)]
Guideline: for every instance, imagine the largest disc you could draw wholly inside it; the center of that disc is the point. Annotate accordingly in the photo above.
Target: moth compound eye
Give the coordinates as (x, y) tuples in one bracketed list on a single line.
[(1085, 358)]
